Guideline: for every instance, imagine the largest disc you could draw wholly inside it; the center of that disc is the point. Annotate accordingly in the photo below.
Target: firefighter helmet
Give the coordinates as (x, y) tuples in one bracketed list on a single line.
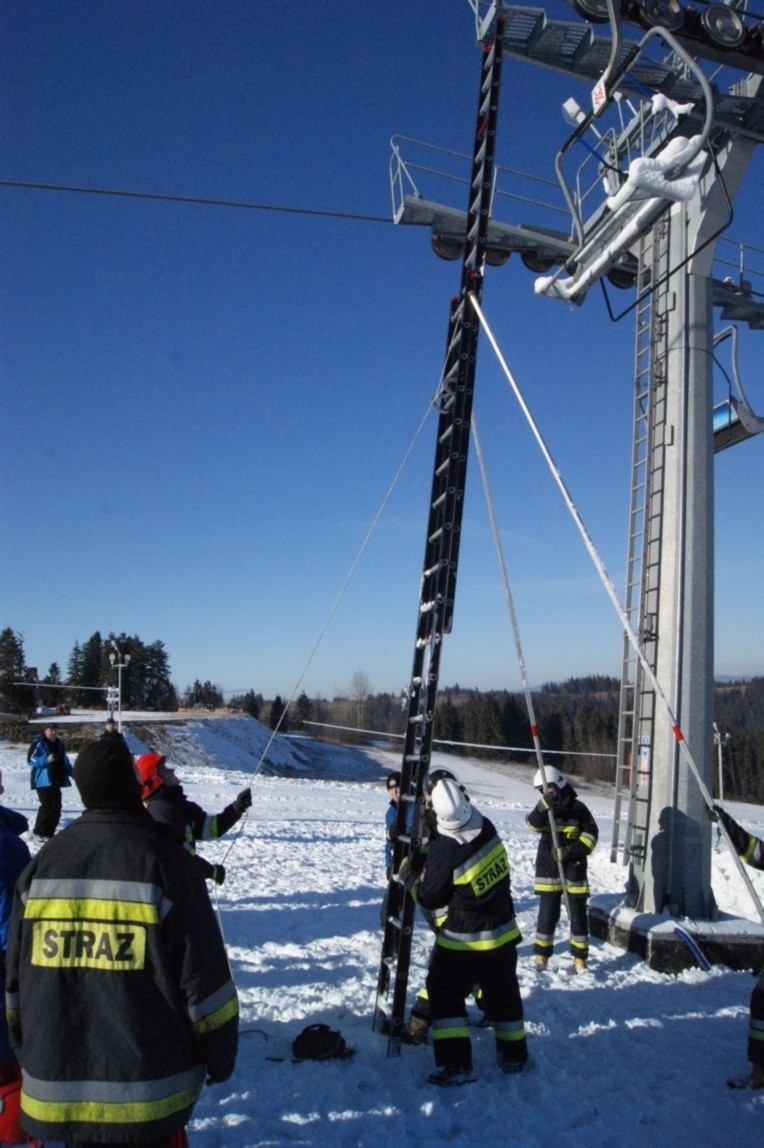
[(148, 766)]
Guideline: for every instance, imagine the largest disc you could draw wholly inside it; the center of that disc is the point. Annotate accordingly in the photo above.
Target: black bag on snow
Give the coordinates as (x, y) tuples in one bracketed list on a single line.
[(319, 1042)]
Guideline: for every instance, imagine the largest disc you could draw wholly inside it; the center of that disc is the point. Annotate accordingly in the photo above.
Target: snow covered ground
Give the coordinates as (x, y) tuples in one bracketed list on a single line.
[(620, 1056)]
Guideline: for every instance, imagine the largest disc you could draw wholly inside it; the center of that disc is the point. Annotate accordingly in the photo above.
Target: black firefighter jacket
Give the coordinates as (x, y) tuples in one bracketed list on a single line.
[(577, 834), (469, 873), (119, 992), (186, 822)]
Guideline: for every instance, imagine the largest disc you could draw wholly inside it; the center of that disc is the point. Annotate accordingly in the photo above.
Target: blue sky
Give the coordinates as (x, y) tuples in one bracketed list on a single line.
[(203, 408)]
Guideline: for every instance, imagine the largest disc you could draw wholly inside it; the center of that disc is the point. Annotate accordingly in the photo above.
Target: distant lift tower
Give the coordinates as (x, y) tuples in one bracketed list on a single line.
[(667, 149)]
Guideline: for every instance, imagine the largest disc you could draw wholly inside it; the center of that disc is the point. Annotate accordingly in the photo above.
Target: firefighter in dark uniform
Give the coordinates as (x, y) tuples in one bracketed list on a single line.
[(467, 870), (577, 836), (120, 997), (181, 818), (751, 849)]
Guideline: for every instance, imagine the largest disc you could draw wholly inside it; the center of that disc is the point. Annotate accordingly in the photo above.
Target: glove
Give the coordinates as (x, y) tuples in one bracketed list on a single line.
[(244, 800), (561, 853), (406, 874), (393, 832), (548, 801), (712, 812), (218, 874), (722, 815)]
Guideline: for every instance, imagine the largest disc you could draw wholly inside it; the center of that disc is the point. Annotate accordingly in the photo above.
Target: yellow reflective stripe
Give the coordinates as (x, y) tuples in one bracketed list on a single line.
[(449, 1028), (477, 942), (91, 908), (750, 849), (108, 1112), (579, 889), (588, 841), (218, 1018)]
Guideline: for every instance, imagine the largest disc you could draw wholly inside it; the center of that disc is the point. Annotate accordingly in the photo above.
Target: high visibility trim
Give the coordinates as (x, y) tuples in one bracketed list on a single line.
[(750, 849), (215, 1010), (588, 841), (210, 828), (450, 1028), (756, 1029), (554, 885), (508, 1030), (461, 874), (479, 942), (136, 901), (110, 1102), (54, 909)]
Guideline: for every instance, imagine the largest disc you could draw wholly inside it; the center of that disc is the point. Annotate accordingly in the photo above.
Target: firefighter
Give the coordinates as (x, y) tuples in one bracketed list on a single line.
[(467, 871), (120, 997), (181, 818), (751, 849), (577, 836)]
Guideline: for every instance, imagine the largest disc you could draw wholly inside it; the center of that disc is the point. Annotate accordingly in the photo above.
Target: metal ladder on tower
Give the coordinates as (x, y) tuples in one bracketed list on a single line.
[(637, 699), (441, 556)]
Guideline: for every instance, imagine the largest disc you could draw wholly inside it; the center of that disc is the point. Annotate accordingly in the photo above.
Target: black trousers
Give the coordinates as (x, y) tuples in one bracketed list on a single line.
[(49, 813), (452, 975), (548, 918)]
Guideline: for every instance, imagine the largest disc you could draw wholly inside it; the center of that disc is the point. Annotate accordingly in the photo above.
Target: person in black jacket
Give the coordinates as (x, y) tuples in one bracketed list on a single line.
[(120, 997), (577, 836), (181, 818), (751, 849), (467, 873)]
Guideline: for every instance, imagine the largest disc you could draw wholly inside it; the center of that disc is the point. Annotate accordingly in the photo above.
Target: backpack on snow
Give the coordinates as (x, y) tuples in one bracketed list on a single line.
[(319, 1042)]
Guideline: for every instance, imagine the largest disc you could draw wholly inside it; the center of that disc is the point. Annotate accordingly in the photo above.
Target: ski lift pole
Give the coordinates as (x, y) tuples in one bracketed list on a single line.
[(612, 594), (519, 649)]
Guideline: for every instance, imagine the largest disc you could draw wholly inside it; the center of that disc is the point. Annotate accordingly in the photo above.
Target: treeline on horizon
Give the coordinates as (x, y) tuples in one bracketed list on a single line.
[(577, 718), (578, 727)]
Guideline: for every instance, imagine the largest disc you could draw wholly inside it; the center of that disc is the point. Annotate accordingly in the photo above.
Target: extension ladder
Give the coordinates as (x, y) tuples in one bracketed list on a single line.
[(438, 583)]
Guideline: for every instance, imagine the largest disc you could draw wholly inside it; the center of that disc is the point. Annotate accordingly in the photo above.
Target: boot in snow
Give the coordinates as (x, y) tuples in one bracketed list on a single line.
[(451, 1077), (754, 1079)]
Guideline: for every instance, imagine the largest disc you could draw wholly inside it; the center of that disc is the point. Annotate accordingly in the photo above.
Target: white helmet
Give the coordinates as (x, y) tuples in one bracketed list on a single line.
[(553, 777), (451, 805)]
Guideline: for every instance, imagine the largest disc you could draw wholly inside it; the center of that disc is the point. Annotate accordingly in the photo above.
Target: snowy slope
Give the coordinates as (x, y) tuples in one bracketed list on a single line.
[(621, 1056)]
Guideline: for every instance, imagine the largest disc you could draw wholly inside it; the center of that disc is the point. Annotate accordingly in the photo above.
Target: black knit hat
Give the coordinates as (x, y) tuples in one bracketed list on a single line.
[(105, 776)]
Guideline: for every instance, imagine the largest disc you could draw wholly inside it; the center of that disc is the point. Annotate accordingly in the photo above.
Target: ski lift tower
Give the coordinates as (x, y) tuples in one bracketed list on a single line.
[(666, 144), (664, 212)]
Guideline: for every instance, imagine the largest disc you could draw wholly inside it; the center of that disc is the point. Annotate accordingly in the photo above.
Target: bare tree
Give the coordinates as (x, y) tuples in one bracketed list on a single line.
[(360, 688)]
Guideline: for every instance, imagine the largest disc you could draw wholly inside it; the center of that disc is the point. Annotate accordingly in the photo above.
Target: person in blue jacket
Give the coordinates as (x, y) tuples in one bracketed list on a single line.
[(51, 771)]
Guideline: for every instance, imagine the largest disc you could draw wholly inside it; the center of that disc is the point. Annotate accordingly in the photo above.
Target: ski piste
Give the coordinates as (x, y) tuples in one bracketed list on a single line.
[(438, 583), (694, 947)]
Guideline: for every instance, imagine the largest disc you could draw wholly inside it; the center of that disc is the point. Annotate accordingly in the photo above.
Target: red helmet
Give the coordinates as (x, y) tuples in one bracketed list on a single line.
[(148, 766)]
